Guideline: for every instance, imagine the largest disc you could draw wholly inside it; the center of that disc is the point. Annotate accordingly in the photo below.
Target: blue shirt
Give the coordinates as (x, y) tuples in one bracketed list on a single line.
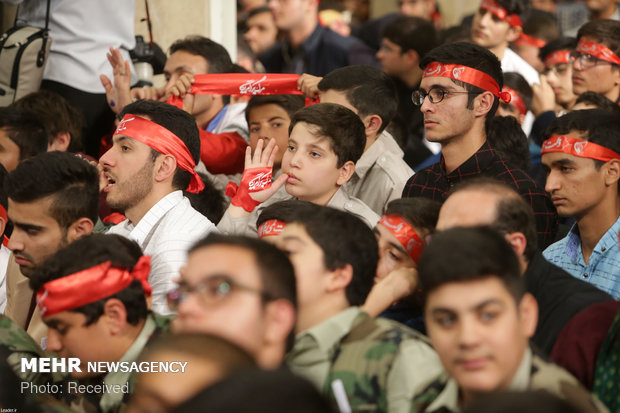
[(603, 268)]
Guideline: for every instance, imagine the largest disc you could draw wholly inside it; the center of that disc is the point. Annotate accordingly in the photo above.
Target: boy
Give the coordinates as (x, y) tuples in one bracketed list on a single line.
[(325, 142)]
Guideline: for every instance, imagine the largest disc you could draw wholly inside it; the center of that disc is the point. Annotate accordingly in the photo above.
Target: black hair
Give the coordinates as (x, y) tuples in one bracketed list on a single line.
[(71, 181), (561, 43), (4, 199), (290, 103), (87, 252), (421, 213), (285, 211), (258, 10), (598, 100), (344, 240), (177, 121), (517, 82), (541, 25), (412, 33), (470, 55), (25, 129), (340, 126), (513, 213), (369, 90), (505, 135), (514, 6), (467, 254), (606, 32), (210, 202), (218, 59), (57, 114)]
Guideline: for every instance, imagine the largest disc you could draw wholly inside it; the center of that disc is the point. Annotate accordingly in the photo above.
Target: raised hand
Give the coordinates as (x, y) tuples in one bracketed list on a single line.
[(118, 94)]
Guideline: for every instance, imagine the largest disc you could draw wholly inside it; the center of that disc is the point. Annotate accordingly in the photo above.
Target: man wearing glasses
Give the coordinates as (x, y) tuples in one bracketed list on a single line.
[(596, 60), (240, 289), (460, 88)]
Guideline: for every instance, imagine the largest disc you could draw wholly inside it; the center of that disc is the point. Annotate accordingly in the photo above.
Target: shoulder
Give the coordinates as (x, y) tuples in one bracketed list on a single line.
[(557, 248), (358, 208), (395, 168)]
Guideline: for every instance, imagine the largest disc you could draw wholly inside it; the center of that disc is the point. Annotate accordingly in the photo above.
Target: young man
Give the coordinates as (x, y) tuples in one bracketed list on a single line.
[(479, 318), (520, 97), (582, 158), (558, 70), (261, 32), (596, 60), (374, 363), (459, 91), (92, 295), (380, 173), (325, 141), (241, 289), (156, 147), (53, 200), (22, 136), (560, 296)]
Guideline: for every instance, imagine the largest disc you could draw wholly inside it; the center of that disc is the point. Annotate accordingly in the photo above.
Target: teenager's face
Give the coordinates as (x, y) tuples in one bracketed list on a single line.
[(261, 32), (507, 109), (129, 167), (392, 59), (270, 121), (603, 77), (392, 255), (417, 8), (560, 79), (36, 234), (181, 62), (489, 31), (9, 151), (479, 332), (312, 166), (290, 14)]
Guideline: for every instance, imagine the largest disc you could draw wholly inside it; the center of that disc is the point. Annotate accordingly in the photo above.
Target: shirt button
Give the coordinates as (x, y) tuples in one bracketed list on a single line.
[(604, 249), (382, 159), (348, 205), (585, 275)]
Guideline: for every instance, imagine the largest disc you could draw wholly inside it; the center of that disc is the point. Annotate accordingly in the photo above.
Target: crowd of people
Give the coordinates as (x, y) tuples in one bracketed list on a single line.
[(351, 215)]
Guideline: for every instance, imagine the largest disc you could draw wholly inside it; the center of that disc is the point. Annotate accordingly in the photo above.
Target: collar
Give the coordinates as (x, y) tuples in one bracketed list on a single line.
[(478, 162), (340, 198), (140, 232), (370, 156), (328, 334), (607, 242), (215, 122)]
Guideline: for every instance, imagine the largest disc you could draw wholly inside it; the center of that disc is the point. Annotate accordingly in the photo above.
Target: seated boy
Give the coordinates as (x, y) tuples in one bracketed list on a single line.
[(325, 142), (480, 319), (92, 296), (373, 364)]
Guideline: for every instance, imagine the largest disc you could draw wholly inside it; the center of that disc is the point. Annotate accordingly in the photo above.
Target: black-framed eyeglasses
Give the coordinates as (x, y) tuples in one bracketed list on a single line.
[(435, 95), (585, 60), (213, 289)]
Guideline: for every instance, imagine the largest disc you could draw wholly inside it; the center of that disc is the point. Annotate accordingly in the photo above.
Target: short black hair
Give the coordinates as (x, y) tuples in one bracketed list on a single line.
[(421, 213), (25, 129), (514, 6), (217, 57), (290, 103), (177, 121), (57, 114), (369, 90), (4, 199), (505, 135), (467, 254), (87, 252), (340, 126), (71, 180), (561, 43), (210, 202), (344, 240), (606, 32), (598, 100), (540, 24), (285, 211), (470, 55), (412, 33), (258, 10), (517, 82)]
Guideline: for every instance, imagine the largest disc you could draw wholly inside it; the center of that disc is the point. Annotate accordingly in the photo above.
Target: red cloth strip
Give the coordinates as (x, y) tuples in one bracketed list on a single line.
[(90, 285), (271, 227), (163, 141), (578, 147), (498, 10), (515, 99), (526, 39), (560, 56), (406, 235), (468, 75), (597, 50)]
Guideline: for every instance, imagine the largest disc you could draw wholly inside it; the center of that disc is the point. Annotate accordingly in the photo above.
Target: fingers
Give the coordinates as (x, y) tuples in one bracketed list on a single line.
[(308, 85), (106, 83), (248, 157)]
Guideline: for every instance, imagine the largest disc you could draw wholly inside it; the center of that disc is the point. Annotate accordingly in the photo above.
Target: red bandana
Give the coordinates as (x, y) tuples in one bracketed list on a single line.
[(90, 285), (597, 50), (515, 99), (406, 235), (526, 39), (578, 147), (497, 9), (271, 227), (163, 141), (561, 56), (468, 75)]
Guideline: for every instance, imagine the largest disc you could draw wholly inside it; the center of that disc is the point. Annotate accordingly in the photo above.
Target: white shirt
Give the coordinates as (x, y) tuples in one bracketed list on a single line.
[(5, 253), (165, 233), (512, 62)]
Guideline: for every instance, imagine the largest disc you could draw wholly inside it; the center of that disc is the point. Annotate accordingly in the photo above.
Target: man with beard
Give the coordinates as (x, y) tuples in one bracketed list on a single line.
[(155, 149)]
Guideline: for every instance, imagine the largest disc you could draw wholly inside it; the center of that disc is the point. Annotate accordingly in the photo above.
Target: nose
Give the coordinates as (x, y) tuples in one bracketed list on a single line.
[(379, 54), (577, 63), (106, 158), (427, 105), (485, 18), (468, 333), (53, 341), (173, 79), (15, 242), (552, 183)]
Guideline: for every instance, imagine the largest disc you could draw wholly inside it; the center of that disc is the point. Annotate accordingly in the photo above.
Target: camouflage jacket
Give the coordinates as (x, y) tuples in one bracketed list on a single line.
[(535, 373)]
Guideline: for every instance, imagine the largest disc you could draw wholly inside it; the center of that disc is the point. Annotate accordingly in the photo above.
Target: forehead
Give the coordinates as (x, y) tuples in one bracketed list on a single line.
[(296, 233), (386, 235), (468, 208), (182, 60), (261, 19), (307, 134), (236, 262), (31, 212), (436, 81), (465, 296), (338, 97), (66, 317), (267, 111)]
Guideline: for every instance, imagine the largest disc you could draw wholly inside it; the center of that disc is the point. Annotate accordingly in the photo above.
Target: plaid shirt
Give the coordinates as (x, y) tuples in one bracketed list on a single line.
[(434, 183)]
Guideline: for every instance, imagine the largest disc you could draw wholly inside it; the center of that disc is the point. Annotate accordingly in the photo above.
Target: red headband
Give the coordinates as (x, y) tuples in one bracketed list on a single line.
[(561, 56), (163, 141), (406, 235), (240, 84), (271, 227), (495, 8), (515, 99), (90, 285), (597, 50), (468, 75), (530, 40), (578, 147)]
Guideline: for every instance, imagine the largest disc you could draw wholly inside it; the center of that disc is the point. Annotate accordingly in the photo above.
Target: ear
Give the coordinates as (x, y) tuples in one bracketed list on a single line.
[(165, 167), (517, 241), (483, 104), (79, 228), (372, 123), (612, 172), (60, 143), (412, 57), (339, 279), (2, 226), (115, 315), (346, 172), (513, 34), (280, 316), (528, 312)]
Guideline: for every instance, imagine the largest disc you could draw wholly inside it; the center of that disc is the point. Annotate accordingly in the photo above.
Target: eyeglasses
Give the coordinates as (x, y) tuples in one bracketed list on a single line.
[(211, 290), (435, 95), (557, 69), (585, 61)]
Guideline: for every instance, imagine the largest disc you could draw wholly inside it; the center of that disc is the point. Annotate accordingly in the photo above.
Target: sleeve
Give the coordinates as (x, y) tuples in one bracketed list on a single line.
[(239, 226), (222, 153)]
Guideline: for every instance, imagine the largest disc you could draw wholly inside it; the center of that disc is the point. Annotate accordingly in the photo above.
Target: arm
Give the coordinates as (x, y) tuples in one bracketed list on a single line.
[(397, 285)]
